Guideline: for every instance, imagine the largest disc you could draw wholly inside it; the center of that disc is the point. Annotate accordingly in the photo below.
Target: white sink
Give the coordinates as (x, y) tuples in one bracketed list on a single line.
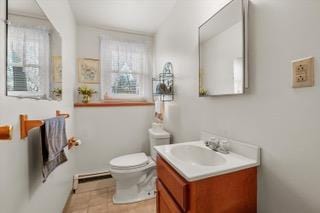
[(197, 155), (194, 161)]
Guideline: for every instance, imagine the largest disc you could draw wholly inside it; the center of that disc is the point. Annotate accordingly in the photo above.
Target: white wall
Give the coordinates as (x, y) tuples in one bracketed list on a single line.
[(17, 194), (108, 132), (282, 120), (217, 59)]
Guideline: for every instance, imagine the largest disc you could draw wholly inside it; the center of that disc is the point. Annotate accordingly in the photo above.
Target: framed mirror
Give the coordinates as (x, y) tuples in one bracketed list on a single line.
[(34, 67), (223, 51)]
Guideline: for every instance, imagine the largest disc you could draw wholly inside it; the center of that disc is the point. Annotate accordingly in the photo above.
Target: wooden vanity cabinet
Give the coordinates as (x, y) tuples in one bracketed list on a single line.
[(234, 192), (165, 203)]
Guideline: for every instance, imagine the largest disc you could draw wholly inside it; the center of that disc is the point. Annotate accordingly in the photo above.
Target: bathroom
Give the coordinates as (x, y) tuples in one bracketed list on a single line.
[(270, 113)]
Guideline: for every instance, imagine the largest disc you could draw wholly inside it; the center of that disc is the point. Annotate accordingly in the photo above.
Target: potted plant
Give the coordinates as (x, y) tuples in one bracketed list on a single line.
[(86, 93), (57, 93), (203, 91)]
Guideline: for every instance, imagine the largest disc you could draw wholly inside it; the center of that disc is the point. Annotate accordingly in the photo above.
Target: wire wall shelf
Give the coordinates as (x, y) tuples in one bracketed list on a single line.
[(163, 85)]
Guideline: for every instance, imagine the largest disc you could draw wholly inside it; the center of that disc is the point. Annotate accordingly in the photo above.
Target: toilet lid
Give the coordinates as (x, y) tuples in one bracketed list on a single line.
[(129, 161)]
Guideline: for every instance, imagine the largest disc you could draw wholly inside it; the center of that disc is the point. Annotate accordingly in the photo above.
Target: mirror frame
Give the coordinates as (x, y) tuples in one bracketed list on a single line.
[(244, 12), (6, 47)]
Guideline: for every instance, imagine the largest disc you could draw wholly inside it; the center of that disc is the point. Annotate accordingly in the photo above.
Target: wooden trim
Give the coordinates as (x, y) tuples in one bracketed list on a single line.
[(114, 104)]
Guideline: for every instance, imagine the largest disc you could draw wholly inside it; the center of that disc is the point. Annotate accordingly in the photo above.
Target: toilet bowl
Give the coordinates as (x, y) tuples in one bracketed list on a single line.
[(135, 174), (134, 181)]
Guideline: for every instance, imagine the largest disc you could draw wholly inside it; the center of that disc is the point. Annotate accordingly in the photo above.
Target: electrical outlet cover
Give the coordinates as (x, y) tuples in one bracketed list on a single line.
[(303, 72)]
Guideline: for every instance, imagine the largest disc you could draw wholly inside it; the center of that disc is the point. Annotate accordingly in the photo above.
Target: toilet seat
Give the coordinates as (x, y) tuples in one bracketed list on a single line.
[(149, 165), (128, 162)]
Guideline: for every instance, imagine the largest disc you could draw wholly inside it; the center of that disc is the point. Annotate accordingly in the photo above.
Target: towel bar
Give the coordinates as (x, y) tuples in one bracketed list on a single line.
[(58, 113), (5, 132), (26, 124)]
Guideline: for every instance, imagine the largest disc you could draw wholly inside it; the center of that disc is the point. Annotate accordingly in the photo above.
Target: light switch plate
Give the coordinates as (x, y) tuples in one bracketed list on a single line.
[(303, 72)]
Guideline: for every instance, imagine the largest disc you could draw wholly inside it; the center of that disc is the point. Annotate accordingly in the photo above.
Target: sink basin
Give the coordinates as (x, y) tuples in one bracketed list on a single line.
[(197, 155), (194, 161)]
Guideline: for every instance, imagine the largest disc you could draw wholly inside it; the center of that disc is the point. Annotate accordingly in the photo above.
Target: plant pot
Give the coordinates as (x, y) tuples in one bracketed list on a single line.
[(85, 99), (58, 97)]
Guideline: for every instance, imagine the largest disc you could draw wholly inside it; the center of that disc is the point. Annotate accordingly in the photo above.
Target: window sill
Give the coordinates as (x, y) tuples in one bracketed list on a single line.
[(115, 104)]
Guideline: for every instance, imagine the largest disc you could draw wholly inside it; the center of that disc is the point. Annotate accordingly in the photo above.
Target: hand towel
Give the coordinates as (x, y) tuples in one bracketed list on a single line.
[(53, 140)]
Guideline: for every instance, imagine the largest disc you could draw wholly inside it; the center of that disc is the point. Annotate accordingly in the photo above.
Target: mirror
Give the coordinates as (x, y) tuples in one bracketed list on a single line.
[(34, 67), (222, 51)]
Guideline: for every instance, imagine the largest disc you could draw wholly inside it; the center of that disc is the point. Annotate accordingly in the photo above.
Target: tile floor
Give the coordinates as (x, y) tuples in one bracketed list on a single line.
[(96, 197)]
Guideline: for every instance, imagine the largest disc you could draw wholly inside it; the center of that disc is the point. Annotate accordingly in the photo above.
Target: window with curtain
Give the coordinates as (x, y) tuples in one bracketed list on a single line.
[(125, 67), (28, 61)]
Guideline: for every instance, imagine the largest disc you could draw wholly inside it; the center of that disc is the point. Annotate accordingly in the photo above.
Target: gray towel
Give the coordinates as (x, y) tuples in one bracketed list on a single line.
[(54, 139)]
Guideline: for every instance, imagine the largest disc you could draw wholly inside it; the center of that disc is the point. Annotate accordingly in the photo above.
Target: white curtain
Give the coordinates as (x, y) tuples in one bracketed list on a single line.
[(30, 48), (125, 55)]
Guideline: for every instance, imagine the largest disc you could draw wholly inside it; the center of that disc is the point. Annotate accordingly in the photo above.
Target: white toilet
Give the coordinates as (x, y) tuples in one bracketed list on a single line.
[(135, 174)]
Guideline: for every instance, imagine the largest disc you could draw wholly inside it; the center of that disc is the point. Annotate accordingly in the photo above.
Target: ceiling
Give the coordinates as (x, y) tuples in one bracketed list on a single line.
[(25, 7), (230, 15), (141, 16)]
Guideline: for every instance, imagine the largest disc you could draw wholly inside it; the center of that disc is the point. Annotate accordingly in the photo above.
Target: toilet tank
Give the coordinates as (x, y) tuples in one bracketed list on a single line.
[(157, 137)]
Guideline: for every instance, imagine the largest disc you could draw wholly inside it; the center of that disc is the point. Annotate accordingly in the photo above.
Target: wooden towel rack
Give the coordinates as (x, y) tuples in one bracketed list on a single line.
[(58, 113), (5, 132), (26, 124)]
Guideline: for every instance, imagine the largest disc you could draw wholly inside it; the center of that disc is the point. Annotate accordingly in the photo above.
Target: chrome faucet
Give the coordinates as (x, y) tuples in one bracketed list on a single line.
[(218, 145)]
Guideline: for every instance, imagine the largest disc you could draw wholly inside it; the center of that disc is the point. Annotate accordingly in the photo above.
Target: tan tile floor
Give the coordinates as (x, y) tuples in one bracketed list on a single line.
[(96, 197)]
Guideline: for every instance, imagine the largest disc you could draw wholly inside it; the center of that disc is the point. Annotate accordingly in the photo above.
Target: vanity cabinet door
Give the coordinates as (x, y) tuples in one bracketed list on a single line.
[(165, 203), (173, 182)]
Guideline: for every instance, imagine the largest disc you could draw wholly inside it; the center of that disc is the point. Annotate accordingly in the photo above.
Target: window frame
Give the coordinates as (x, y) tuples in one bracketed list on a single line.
[(128, 96), (107, 69)]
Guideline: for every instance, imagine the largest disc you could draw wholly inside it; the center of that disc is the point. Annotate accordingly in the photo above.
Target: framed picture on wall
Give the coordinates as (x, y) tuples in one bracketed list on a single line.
[(57, 69), (89, 70)]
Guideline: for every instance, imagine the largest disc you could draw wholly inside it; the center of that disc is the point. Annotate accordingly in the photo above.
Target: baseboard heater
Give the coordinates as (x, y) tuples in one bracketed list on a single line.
[(85, 177)]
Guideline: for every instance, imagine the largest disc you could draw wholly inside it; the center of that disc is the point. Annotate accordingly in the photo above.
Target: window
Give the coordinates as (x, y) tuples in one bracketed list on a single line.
[(125, 68), (238, 75), (28, 61)]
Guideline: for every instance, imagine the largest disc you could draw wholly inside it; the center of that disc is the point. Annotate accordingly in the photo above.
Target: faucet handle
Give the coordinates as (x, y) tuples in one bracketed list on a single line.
[(213, 143), (214, 140), (224, 145)]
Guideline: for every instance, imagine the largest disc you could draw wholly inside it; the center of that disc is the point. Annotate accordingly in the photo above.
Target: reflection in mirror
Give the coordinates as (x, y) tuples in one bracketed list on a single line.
[(222, 52), (33, 53)]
